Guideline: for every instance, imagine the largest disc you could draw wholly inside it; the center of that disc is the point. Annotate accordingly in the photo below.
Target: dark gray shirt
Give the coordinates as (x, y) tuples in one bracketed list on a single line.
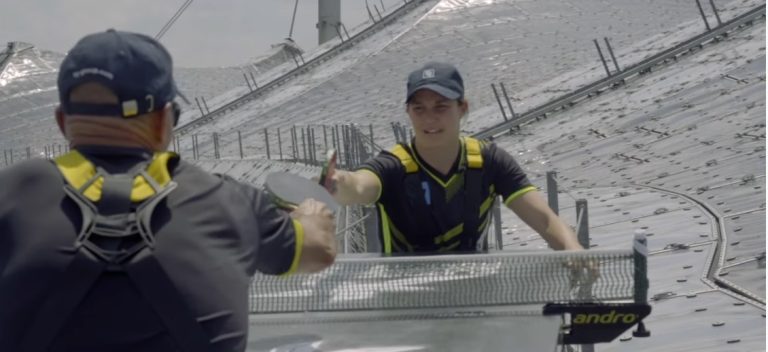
[(212, 234)]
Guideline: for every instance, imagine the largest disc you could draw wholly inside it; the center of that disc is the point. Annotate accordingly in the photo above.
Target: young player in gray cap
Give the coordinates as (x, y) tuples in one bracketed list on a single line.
[(120, 245)]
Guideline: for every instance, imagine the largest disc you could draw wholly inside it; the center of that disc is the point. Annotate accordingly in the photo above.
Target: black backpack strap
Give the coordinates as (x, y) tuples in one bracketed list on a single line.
[(472, 198), (473, 190), (115, 194), (66, 294), (156, 286), (158, 289), (88, 263)]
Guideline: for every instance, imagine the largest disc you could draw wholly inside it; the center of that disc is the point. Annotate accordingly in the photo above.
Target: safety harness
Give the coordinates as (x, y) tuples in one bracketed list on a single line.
[(115, 236), (470, 168)]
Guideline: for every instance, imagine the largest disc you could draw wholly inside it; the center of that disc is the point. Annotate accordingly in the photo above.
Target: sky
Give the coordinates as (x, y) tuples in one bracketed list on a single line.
[(210, 33)]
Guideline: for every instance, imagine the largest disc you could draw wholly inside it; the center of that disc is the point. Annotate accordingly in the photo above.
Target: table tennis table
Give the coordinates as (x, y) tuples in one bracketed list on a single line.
[(499, 301)]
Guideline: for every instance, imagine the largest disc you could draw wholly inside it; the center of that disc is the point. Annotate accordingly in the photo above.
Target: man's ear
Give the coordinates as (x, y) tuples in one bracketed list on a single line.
[(162, 126), (464, 108), (60, 121)]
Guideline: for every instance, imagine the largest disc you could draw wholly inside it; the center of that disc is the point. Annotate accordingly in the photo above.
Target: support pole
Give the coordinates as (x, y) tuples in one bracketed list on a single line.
[(253, 79), (509, 102), (247, 82), (582, 227), (717, 15), (205, 104), (216, 146), (240, 143), (266, 142), (304, 145), (497, 223), (202, 112), (602, 58), (498, 100), (610, 51), (703, 16), (552, 191), (640, 254)]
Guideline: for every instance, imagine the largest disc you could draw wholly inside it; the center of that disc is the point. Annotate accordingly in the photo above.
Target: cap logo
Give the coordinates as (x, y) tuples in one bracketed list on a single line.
[(93, 71), (428, 73), (151, 101), (130, 108)]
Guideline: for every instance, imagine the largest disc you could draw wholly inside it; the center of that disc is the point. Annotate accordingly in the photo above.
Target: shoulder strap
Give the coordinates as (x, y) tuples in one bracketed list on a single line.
[(474, 153), (472, 146), (66, 293), (403, 152), (473, 193), (81, 174)]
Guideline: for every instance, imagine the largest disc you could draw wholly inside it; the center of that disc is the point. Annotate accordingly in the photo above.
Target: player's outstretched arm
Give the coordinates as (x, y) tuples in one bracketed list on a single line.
[(535, 212), (355, 187)]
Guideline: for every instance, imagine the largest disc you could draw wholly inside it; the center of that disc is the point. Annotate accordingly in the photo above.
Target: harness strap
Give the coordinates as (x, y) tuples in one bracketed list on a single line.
[(108, 241), (403, 153), (472, 192), (116, 191), (471, 166), (66, 294), (158, 289)]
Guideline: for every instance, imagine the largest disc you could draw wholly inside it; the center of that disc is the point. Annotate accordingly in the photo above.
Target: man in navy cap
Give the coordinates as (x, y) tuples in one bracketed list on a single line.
[(121, 246), (434, 194)]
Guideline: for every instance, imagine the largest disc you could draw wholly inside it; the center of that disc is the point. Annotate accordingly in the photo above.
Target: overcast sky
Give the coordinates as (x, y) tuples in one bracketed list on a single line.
[(209, 33)]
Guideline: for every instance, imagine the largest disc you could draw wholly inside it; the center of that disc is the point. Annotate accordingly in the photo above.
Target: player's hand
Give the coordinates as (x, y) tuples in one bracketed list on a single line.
[(583, 271), (331, 182), (313, 213)]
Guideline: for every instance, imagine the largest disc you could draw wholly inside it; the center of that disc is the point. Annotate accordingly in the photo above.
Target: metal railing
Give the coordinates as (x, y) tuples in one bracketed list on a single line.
[(642, 67), (343, 45)]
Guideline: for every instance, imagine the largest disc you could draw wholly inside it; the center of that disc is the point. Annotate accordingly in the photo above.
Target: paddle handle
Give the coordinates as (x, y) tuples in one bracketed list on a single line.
[(328, 168)]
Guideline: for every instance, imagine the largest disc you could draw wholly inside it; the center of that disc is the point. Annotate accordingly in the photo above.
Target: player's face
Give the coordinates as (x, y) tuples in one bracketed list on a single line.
[(435, 119)]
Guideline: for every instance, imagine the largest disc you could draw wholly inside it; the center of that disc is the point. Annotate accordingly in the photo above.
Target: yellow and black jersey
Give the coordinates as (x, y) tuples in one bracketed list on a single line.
[(421, 210)]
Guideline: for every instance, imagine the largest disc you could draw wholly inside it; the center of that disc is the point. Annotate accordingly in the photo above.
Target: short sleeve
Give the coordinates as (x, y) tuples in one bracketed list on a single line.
[(277, 237), (507, 176), (388, 169)]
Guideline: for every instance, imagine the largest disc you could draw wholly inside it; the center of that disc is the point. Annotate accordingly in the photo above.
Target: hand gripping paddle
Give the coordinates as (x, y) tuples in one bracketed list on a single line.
[(288, 190), (328, 169)]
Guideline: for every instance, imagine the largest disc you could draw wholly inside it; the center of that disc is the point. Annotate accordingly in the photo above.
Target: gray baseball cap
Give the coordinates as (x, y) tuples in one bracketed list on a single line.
[(441, 78)]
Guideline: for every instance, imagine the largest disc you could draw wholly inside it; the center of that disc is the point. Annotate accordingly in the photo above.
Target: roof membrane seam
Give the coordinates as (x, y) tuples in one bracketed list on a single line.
[(745, 261), (711, 275), (745, 212), (695, 244)]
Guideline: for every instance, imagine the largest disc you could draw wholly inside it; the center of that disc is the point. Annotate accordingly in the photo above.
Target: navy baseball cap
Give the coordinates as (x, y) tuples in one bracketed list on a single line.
[(135, 67), (441, 78)]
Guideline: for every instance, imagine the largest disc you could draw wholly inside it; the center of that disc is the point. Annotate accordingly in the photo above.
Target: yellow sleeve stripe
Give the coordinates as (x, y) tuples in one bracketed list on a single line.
[(386, 234), (378, 196), (518, 194), (299, 246)]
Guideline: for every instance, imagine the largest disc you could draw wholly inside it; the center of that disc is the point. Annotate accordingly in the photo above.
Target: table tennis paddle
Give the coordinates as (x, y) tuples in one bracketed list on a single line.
[(289, 190)]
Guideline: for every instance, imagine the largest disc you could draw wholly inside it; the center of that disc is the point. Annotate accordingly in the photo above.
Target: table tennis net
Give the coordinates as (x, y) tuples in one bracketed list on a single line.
[(364, 283)]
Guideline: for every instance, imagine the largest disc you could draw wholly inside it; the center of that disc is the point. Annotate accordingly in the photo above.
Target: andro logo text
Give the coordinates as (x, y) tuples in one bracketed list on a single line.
[(607, 318)]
